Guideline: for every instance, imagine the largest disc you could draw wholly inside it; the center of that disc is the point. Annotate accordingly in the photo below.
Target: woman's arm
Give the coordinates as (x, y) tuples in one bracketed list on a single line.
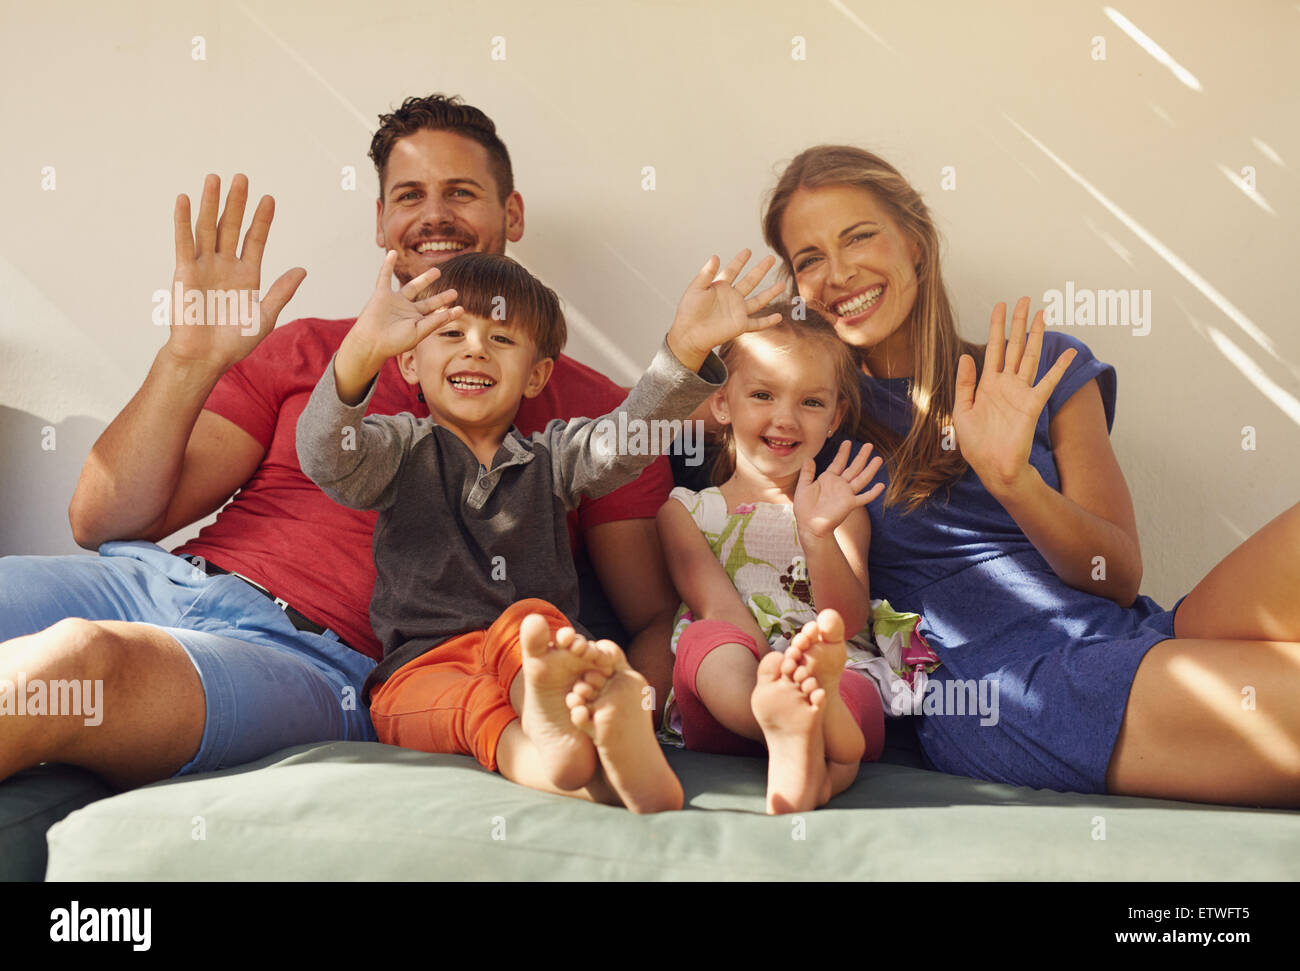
[(698, 576), (837, 570), (1087, 532)]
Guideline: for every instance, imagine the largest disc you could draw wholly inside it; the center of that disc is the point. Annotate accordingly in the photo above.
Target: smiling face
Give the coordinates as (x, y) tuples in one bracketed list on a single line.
[(439, 199), (782, 404), (475, 371), (854, 265)]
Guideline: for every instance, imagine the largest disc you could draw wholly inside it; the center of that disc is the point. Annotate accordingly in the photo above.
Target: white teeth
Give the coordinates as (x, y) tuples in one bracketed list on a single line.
[(436, 247), (861, 302), (781, 442), (472, 382)]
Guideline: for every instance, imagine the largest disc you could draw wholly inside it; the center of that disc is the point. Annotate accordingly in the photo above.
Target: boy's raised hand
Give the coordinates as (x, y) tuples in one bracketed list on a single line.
[(821, 504), (713, 309), (390, 323)]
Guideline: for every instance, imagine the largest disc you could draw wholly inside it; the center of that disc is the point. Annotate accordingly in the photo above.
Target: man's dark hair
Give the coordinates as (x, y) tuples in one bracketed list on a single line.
[(438, 112)]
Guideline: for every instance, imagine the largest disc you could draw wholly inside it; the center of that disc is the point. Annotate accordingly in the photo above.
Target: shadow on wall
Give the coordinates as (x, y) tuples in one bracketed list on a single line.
[(38, 474)]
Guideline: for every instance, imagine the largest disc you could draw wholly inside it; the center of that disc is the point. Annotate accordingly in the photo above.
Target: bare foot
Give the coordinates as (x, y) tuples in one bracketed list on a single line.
[(617, 713), (550, 668), (791, 716), (818, 651)]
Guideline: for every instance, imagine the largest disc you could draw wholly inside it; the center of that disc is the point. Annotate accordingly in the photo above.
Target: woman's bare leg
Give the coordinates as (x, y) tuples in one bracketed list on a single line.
[(1212, 721), (1254, 593)]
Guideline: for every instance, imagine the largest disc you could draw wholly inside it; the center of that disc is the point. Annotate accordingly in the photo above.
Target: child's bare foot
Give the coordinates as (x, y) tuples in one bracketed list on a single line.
[(818, 651), (617, 714), (791, 716), (550, 668)]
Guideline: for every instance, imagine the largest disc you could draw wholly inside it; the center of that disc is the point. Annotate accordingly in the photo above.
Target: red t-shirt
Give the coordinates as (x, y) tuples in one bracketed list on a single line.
[(281, 531)]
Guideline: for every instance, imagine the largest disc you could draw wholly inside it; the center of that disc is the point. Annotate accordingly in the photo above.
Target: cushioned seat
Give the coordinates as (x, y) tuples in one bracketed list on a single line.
[(30, 803), (372, 812)]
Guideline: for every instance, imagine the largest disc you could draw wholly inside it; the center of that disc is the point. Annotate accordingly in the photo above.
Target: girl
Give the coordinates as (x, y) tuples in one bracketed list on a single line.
[(756, 665)]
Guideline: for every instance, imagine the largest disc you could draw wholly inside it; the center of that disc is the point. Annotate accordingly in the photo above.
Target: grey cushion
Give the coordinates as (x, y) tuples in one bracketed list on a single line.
[(372, 812), (30, 803)]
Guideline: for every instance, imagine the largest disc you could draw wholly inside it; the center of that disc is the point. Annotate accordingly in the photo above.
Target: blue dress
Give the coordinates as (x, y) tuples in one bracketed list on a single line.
[(1058, 661)]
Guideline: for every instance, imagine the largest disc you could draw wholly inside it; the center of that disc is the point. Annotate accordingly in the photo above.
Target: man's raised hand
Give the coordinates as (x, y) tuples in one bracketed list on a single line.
[(209, 262), (713, 309)]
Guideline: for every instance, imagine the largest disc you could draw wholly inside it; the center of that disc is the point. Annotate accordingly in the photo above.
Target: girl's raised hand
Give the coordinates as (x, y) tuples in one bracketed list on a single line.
[(995, 420), (713, 311), (823, 503)]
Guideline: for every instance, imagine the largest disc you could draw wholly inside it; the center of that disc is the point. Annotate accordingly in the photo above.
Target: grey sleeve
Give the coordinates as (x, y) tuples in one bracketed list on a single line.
[(353, 458), (594, 456)]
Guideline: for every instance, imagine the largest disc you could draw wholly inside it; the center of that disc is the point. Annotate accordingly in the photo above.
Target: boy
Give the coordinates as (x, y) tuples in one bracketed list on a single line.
[(475, 578)]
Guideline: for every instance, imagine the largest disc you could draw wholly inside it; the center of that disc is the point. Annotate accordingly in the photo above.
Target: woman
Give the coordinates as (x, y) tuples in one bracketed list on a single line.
[(1008, 525)]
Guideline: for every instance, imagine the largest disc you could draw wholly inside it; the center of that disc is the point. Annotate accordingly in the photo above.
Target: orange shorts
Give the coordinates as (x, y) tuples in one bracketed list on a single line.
[(456, 698)]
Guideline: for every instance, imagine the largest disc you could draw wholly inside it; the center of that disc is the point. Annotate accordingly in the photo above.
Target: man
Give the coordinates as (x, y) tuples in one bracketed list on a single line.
[(202, 669)]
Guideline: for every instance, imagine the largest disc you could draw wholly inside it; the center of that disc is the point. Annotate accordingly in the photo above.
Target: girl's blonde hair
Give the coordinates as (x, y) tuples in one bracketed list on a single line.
[(791, 328), (918, 463)]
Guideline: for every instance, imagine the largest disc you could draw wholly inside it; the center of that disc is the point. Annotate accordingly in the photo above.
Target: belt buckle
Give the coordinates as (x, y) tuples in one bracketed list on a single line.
[(257, 586)]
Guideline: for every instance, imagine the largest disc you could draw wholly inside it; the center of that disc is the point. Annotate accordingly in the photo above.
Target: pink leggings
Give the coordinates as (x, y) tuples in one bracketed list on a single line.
[(703, 733)]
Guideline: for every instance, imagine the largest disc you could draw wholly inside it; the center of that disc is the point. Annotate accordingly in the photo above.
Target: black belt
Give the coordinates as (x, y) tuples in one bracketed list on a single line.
[(299, 621)]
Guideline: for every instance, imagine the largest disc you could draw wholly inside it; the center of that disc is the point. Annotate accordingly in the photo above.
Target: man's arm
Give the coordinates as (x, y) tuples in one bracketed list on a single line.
[(218, 459), (160, 466), (629, 562)]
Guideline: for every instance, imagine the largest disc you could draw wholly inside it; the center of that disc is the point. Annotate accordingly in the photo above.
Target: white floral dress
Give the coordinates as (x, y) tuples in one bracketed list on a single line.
[(758, 547)]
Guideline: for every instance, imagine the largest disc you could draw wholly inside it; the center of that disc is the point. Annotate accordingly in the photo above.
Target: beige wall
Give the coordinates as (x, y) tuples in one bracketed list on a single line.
[(1111, 173)]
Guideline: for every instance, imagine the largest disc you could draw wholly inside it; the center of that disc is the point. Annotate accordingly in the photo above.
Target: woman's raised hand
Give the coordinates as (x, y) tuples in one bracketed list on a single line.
[(713, 311), (995, 419), (821, 504)]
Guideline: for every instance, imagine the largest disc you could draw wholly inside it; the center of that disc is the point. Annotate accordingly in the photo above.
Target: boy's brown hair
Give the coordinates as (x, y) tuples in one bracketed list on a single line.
[(497, 288)]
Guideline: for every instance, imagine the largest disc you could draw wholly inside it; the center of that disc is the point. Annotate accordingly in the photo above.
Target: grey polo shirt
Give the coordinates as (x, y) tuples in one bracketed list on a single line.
[(456, 544)]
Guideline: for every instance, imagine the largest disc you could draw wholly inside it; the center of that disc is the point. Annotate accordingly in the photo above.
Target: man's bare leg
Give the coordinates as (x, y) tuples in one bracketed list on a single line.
[(153, 708), (649, 653)]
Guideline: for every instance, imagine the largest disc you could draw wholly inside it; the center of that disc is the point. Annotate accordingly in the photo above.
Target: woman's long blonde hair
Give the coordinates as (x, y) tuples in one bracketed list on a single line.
[(918, 463)]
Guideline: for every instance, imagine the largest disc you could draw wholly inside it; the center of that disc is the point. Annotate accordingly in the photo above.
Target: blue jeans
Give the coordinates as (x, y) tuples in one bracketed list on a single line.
[(267, 685)]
